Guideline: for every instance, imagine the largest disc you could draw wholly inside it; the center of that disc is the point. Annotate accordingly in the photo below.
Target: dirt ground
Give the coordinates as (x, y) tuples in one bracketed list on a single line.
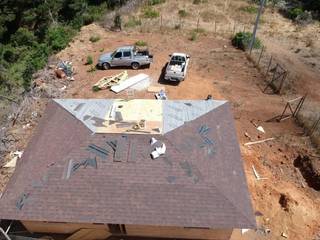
[(283, 202), (225, 73)]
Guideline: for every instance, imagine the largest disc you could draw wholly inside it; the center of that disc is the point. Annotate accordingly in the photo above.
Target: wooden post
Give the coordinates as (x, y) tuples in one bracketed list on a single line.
[(215, 26), (161, 22), (234, 27), (282, 81), (300, 104), (270, 61), (314, 127), (198, 24), (262, 49)]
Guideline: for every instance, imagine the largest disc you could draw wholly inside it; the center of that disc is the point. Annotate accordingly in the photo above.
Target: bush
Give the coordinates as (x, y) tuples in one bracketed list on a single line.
[(132, 22), (150, 13), (182, 13), (196, 2), (250, 9), (295, 12), (194, 36), (141, 43), (94, 38), (155, 2), (23, 37), (242, 41), (59, 36), (89, 60)]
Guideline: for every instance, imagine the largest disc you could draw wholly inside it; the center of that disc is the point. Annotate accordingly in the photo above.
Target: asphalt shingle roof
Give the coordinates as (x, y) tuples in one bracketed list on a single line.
[(198, 182)]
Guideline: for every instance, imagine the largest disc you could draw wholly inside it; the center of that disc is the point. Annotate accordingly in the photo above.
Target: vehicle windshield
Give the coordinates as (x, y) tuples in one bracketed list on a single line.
[(114, 53), (177, 60)]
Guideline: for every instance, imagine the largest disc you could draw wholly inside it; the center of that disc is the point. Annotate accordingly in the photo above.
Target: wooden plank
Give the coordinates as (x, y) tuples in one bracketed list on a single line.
[(129, 82), (63, 228), (178, 232), (90, 234), (257, 142)]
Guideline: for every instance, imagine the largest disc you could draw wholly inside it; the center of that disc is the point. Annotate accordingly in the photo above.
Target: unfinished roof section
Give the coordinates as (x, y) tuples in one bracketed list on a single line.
[(68, 174), (120, 116)]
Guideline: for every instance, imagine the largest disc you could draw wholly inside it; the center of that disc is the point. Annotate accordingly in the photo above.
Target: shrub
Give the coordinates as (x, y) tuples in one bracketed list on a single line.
[(89, 60), (242, 41), (141, 43), (294, 12), (194, 36), (94, 38), (59, 36), (155, 2), (196, 2), (23, 37), (182, 13), (249, 9), (150, 13), (132, 22)]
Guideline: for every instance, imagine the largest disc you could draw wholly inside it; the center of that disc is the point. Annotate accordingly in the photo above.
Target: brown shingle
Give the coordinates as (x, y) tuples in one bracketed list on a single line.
[(199, 182)]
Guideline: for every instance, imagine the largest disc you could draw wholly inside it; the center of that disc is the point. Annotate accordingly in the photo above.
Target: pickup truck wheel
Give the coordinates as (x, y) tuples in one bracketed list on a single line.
[(135, 65), (106, 66)]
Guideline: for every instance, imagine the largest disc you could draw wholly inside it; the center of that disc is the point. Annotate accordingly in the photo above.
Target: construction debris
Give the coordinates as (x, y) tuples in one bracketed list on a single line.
[(161, 95), (159, 151), (256, 174), (129, 82), (244, 230), (15, 156), (64, 68), (260, 128), (108, 82), (284, 235), (153, 141), (257, 142)]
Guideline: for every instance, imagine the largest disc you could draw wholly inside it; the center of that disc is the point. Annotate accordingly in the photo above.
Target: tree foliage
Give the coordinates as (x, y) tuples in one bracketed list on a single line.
[(31, 30)]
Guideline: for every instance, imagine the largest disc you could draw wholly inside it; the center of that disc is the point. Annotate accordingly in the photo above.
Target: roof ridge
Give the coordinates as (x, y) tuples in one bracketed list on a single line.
[(234, 205)]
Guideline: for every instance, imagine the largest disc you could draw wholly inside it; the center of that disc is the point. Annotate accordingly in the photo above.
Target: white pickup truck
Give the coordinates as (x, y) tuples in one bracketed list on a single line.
[(176, 70)]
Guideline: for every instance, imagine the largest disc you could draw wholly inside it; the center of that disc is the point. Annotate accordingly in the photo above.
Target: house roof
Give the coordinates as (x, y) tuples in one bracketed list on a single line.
[(69, 173)]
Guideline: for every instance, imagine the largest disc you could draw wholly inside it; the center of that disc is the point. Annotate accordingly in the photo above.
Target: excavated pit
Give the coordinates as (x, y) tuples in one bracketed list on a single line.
[(310, 170)]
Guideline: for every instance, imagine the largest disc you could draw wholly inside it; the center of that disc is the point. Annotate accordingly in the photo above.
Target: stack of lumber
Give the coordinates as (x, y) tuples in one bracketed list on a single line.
[(108, 82)]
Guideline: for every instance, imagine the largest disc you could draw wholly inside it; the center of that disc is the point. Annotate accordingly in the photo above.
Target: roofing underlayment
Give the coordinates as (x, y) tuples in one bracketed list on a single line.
[(87, 163)]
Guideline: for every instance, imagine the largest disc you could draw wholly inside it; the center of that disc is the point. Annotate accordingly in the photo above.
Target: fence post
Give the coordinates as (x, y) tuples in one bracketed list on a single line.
[(260, 56), (270, 61), (198, 25), (215, 26), (234, 27), (160, 22)]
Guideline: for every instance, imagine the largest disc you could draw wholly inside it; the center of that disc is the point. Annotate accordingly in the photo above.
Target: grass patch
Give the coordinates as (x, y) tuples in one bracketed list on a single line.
[(94, 38), (242, 41), (194, 36), (182, 13), (207, 16), (149, 12), (249, 9), (133, 22), (89, 60), (155, 2), (141, 43)]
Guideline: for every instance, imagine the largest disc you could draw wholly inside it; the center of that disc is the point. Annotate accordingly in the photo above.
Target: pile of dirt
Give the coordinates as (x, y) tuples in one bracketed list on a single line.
[(310, 170)]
